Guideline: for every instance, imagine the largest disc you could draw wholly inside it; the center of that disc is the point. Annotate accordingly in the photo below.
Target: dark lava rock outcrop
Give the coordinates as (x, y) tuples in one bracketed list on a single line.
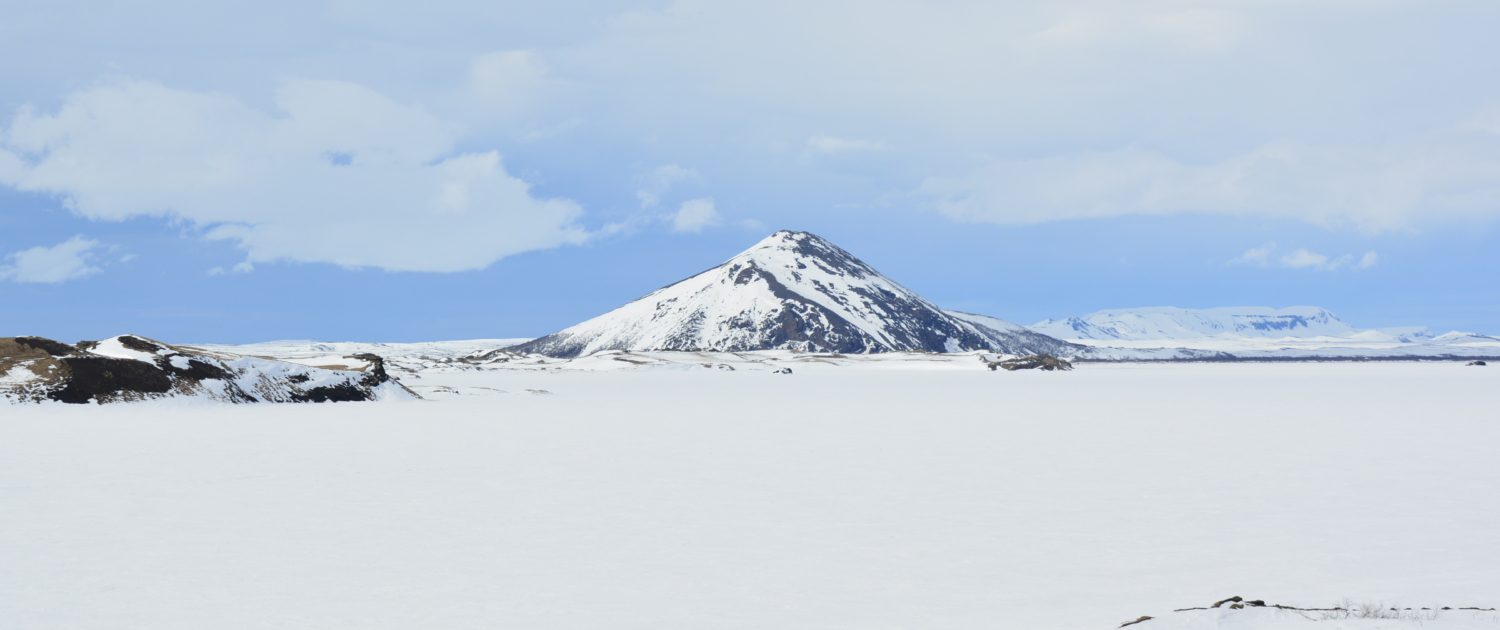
[(129, 368), (1044, 362)]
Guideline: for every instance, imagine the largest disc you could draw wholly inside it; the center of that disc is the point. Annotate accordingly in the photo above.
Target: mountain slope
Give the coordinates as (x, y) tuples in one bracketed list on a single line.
[(792, 290), (1020, 338)]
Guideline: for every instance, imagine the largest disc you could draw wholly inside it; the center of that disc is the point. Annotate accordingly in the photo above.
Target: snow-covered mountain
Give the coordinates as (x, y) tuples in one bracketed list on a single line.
[(1015, 338), (1256, 333), (129, 368), (1167, 322), (792, 290)]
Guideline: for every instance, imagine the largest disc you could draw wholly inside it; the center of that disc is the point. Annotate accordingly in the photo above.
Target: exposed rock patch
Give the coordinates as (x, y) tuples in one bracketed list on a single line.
[(1044, 362), (130, 368), (1344, 611), (107, 379)]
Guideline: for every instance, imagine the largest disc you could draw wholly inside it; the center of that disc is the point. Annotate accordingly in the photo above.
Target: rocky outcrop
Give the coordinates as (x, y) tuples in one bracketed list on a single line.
[(130, 368), (1346, 611), (1044, 362)]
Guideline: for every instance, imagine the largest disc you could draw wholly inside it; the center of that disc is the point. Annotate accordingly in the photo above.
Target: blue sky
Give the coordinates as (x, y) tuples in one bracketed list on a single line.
[(209, 173)]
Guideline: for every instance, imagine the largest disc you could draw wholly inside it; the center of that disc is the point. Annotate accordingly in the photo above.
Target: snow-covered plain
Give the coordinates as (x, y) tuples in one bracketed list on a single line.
[(849, 494)]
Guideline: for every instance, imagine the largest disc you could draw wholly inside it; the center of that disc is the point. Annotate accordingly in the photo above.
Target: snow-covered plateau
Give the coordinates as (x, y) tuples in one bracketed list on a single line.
[(876, 491), (1249, 332)]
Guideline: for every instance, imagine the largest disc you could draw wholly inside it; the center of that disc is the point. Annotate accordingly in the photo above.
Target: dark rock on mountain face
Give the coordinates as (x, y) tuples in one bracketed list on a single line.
[(106, 378), (53, 348), (128, 368), (793, 291)]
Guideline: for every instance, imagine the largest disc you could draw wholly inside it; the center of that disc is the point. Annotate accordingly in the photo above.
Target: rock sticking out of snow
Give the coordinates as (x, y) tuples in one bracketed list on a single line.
[(1044, 362), (129, 368), (1239, 612)]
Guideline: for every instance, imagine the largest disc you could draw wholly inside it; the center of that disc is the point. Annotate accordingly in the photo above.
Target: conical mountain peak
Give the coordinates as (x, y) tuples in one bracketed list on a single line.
[(801, 250), (792, 290)]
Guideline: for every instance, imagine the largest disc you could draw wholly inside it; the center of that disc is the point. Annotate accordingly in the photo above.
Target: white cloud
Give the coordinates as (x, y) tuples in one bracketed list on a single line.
[(751, 225), (1371, 189), (340, 174), (240, 268), (695, 215), (508, 83), (68, 260), (659, 181), (1080, 108), (1240, 107), (1122, 25), (1258, 256), (834, 145), (1486, 121), (11, 166), (1303, 258)]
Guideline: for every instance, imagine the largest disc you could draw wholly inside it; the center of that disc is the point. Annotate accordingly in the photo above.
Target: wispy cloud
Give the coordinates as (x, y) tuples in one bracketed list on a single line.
[(830, 145), (1303, 258), (656, 183), (68, 260), (1372, 189), (695, 215), (242, 267)]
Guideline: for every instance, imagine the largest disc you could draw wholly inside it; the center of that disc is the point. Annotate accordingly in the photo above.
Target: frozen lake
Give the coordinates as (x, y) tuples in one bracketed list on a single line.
[(883, 496)]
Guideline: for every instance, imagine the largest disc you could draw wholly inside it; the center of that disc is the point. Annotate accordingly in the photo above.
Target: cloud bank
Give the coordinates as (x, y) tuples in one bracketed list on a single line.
[(338, 173), (1003, 113), (1371, 189)]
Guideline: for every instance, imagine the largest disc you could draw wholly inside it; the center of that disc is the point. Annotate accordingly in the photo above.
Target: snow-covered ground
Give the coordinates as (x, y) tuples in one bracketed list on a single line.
[(848, 494), (1276, 619)]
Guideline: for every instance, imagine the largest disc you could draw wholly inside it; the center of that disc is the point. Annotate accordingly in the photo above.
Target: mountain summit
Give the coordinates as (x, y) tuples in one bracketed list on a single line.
[(796, 291)]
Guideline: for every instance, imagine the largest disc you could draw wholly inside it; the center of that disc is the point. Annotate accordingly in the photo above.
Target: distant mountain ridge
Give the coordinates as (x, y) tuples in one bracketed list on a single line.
[(1168, 322), (796, 291), (1256, 333)]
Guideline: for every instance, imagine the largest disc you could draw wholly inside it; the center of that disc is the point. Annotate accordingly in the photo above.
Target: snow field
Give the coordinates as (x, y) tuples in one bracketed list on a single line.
[(836, 497)]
